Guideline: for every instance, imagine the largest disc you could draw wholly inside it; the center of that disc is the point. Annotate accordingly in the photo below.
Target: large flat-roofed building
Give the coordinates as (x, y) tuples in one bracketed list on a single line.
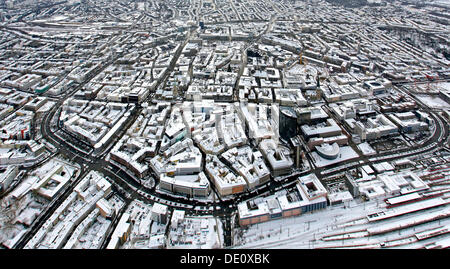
[(390, 184), (335, 93), (290, 97), (330, 128), (350, 109), (290, 205), (214, 92), (322, 134), (375, 127), (36, 103), (26, 81), (328, 151), (310, 115), (407, 122), (278, 157), (308, 195), (311, 188), (190, 185), (52, 183), (375, 87), (250, 213)]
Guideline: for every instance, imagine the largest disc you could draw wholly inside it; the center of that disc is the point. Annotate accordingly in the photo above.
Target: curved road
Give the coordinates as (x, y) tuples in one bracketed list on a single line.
[(129, 188)]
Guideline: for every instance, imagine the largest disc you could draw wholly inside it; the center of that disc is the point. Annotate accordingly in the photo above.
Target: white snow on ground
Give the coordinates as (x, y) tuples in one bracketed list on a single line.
[(444, 243), (47, 106), (407, 222), (445, 85), (10, 243), (357, 234), (28, 215), (339, 227), (433, 101), (303, 229)]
